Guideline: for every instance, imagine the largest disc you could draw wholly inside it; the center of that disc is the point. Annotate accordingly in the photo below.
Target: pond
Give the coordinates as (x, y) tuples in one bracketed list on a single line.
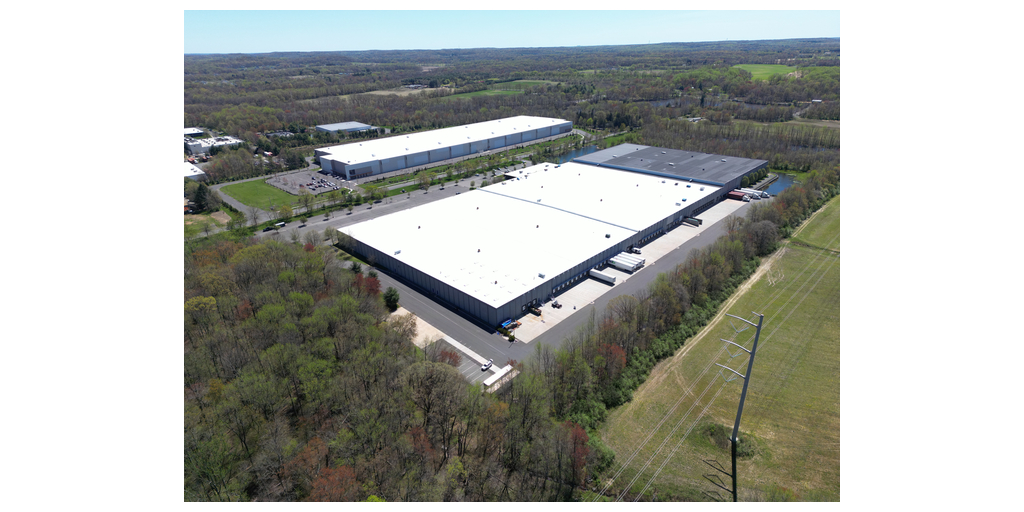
[(576, 153), (784, 182)]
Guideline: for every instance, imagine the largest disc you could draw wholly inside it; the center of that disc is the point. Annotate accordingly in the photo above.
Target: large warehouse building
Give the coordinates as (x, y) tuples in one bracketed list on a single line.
[(494, 251), (358, 160)]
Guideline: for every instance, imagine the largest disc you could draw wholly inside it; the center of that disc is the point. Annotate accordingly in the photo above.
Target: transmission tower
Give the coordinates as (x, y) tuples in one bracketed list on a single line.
[(746, 382)]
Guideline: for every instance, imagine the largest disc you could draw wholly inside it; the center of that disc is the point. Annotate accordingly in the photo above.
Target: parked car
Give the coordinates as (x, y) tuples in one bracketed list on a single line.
[(490, 362)]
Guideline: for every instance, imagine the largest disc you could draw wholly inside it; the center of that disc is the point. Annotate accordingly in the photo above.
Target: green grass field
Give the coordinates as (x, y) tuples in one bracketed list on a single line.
[(791, 415), (485, 92), (521, 84), (763, 71), (258, 193)]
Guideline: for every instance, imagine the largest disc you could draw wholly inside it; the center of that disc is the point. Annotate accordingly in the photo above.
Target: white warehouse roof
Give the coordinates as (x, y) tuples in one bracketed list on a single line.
[(400, 145), (346, 126), (467, 241), (193, 172)]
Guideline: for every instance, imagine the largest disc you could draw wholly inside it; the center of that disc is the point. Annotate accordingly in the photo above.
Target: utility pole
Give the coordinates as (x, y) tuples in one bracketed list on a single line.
[(743, 395)]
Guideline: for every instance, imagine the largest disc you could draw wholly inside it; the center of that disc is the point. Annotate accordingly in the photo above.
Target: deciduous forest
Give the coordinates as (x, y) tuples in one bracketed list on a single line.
[(652, 89)]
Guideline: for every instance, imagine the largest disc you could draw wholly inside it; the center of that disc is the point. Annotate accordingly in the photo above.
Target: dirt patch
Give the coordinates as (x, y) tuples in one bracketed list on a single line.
[(425, 333), (221, 217)]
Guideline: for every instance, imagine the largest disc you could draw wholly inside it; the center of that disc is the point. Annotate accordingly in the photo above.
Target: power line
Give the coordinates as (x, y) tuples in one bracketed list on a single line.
[(772, 298)]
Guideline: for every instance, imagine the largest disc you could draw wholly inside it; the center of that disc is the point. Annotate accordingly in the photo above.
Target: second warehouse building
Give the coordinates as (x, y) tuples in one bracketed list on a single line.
[(359, 160), (495, 251)]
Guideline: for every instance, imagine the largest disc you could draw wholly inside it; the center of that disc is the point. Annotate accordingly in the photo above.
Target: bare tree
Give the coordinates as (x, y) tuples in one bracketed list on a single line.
[(306, 199), (732, 223), (311, 237), (254, 214)]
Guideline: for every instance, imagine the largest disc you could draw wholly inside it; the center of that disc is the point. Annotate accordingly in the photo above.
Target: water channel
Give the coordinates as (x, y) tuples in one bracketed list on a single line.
[(784, 182), (576, 153)]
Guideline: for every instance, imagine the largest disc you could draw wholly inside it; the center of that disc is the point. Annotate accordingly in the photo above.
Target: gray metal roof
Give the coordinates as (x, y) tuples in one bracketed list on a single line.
[(347, 126), (672, 162)]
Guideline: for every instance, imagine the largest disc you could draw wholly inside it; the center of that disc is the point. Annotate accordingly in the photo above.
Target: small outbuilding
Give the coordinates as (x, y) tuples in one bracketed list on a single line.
[(350, 126), (194, 172)]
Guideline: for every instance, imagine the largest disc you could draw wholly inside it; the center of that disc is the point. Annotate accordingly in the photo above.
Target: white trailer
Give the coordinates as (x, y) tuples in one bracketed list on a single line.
[(756, 194), (635, 264), (622, 265), (597, 274), (633, 258)]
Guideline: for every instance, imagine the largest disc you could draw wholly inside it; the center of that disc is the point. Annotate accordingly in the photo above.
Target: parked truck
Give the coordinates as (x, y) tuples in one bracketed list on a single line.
[(737, 195), (756, 194)]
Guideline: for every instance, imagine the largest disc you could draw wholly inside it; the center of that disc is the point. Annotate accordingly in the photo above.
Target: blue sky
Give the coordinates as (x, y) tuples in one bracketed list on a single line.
[(277, 31)]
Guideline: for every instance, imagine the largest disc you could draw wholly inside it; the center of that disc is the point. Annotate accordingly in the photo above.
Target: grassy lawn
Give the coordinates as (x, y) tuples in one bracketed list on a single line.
[(258, 193), (763, 71), (791, 416), (522, 84)]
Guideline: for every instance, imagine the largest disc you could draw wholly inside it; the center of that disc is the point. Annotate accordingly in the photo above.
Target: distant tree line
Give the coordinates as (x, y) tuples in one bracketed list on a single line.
[(823, 110), (786, 147)]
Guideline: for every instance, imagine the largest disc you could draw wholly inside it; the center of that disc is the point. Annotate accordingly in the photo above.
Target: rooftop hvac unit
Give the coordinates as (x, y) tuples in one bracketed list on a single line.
[(398, 252), (702, 189), (608, 235), (541, 276)]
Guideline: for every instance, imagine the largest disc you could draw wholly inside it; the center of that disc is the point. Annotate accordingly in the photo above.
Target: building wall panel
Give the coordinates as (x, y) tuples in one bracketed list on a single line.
[(495, 143), (417, 159), (440, 154), (393, 164)]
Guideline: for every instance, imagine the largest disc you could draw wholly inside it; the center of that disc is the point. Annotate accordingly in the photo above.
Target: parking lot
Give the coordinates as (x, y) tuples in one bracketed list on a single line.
[(314, 182), (470, 367)]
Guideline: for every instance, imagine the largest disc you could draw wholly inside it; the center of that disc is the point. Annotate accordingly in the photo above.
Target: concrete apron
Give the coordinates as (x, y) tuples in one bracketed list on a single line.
[(588, 291)]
